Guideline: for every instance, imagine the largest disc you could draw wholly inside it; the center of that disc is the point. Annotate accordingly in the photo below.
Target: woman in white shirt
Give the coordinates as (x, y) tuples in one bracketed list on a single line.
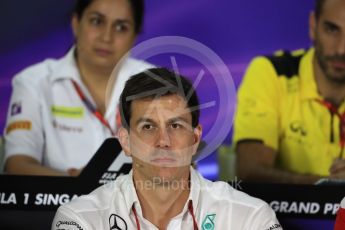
[(58, 116)]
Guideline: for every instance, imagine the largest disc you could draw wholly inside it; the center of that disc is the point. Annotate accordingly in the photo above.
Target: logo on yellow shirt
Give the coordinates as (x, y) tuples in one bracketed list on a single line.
[(298, 127)]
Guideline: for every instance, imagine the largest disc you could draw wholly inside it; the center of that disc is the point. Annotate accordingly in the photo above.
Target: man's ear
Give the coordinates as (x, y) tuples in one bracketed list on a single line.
[(197, 138), (124, 140), (312, 26), (75, 25)]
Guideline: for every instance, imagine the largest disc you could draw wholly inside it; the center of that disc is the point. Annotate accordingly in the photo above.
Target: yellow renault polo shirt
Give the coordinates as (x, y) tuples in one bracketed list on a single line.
[(277, 104)]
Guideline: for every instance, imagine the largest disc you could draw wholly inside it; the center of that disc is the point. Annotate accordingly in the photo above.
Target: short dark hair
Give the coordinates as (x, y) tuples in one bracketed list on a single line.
[(137, 7), (318, 8), (157, 82)]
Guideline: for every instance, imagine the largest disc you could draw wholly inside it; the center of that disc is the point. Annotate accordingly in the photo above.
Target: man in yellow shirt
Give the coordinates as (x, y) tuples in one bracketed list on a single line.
[(290, 123)]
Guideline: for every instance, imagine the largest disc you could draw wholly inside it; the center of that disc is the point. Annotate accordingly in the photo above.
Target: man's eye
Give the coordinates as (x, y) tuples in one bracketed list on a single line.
[(331, 28), (147, 127), (176, 126)]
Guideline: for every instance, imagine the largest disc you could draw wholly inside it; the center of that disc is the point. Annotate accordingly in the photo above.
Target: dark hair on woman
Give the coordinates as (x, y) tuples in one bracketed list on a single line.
[(137, 7), (318, 8), (157, 82)]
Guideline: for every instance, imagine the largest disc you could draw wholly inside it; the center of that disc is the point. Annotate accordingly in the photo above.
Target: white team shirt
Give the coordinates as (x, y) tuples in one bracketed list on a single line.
[(216, 206), (48, 121)]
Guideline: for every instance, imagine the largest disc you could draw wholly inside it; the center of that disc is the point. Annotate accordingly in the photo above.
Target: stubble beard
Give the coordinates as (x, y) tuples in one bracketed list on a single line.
[(325, 67)]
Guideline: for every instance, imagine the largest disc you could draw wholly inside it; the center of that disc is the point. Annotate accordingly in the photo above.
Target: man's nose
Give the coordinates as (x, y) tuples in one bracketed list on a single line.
[(163, 139), (341, 46)]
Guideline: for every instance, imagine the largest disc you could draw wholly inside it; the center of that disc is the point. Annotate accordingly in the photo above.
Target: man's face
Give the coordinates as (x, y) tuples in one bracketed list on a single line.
[(161, 140), (328, 35), (104, 33)]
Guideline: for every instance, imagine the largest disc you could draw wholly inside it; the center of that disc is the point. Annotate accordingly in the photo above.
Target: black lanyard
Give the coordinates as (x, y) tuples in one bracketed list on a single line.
[(334, 110)]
